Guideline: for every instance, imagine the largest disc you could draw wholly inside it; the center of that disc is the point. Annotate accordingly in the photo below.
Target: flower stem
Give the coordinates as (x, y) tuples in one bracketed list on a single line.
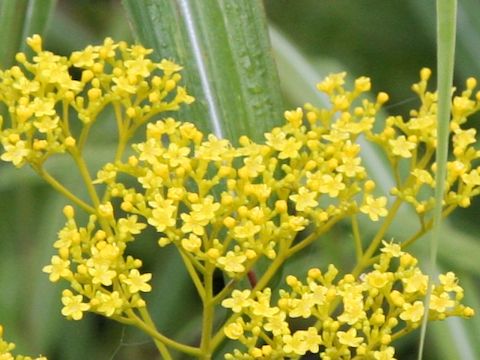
[(208, 313), (149, 328), (377, 239), (54, 183)]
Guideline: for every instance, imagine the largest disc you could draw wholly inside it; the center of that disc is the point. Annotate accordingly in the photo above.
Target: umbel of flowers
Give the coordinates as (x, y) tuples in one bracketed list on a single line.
[(226, 207)]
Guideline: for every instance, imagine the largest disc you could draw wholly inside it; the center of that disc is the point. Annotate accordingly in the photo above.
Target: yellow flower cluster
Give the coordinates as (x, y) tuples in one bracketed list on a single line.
[(229, 206), (6, 349), (226, 207), (95, 265), (342, 319), (40, 94), (415, 139)]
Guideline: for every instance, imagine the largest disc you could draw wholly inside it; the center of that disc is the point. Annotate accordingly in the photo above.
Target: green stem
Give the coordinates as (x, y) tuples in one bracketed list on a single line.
[(313, 236), (83, 137), (270, 273), (85, 174), (152, 331), (193, 274), (63, 190), (160, 345), (377, 239), (446, 31), (357, 238), (208, 314)]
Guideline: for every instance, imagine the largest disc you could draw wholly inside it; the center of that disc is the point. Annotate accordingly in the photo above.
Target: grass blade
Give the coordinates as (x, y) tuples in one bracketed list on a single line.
[(38, 13), (12, 13), (446, 28)]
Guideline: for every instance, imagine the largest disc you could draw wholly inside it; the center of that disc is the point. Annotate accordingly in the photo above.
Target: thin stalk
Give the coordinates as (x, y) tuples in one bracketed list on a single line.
[(54, 183), (357, 238), (160, 345), (446, 29), (193, 274), (312, 237), (208, 313), (378, 238), (152, 331), (87, 179)]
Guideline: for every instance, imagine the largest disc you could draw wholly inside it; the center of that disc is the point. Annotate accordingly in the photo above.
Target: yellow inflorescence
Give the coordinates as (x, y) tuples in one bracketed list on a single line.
[(39, 94), (226, 206), (376, 308)]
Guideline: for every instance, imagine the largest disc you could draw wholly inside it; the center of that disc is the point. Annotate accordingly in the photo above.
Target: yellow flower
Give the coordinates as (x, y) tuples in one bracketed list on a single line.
[(416, 282), (238, 300), (385, 354), (402, 147), (277, 325), (378, 279), (246, 231), (213, 149), (109, 304), (331, 185), (289, 148), (191, 223), (350, 166), (73, 305), (391, 248), (162, 216), (312, 339), (59, 268), (137, 282), (295, 344), (16, 153), (232, 262), (102, 274), (130, 225), (374, 208), (349, 338), (205, 211), (472, 178), (234, 330), (192, 243), (305, 199), (169, 67), (353, 309), (149, 150), (412, 312), (302, 307), (449, 282), (441, 303), (177, 156)]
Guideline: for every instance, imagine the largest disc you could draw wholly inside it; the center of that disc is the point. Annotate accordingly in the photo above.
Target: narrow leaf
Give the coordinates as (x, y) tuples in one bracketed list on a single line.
[(224, 47), (446, 27), (38, 14), (12, 14)]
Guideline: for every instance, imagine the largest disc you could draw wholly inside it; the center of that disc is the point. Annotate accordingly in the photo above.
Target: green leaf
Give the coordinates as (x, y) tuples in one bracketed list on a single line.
[(19, 19), (224, 47), (38, 14), (12, 13), (468, 32)]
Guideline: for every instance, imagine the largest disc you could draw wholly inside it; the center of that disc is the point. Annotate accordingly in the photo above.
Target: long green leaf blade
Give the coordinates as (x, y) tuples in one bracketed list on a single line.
[(446, 28), (19, 19), (224, 46), (38, 13)]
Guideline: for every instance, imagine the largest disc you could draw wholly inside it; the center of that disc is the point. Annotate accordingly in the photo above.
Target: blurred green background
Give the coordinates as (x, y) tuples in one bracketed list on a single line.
[(388, 41)]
